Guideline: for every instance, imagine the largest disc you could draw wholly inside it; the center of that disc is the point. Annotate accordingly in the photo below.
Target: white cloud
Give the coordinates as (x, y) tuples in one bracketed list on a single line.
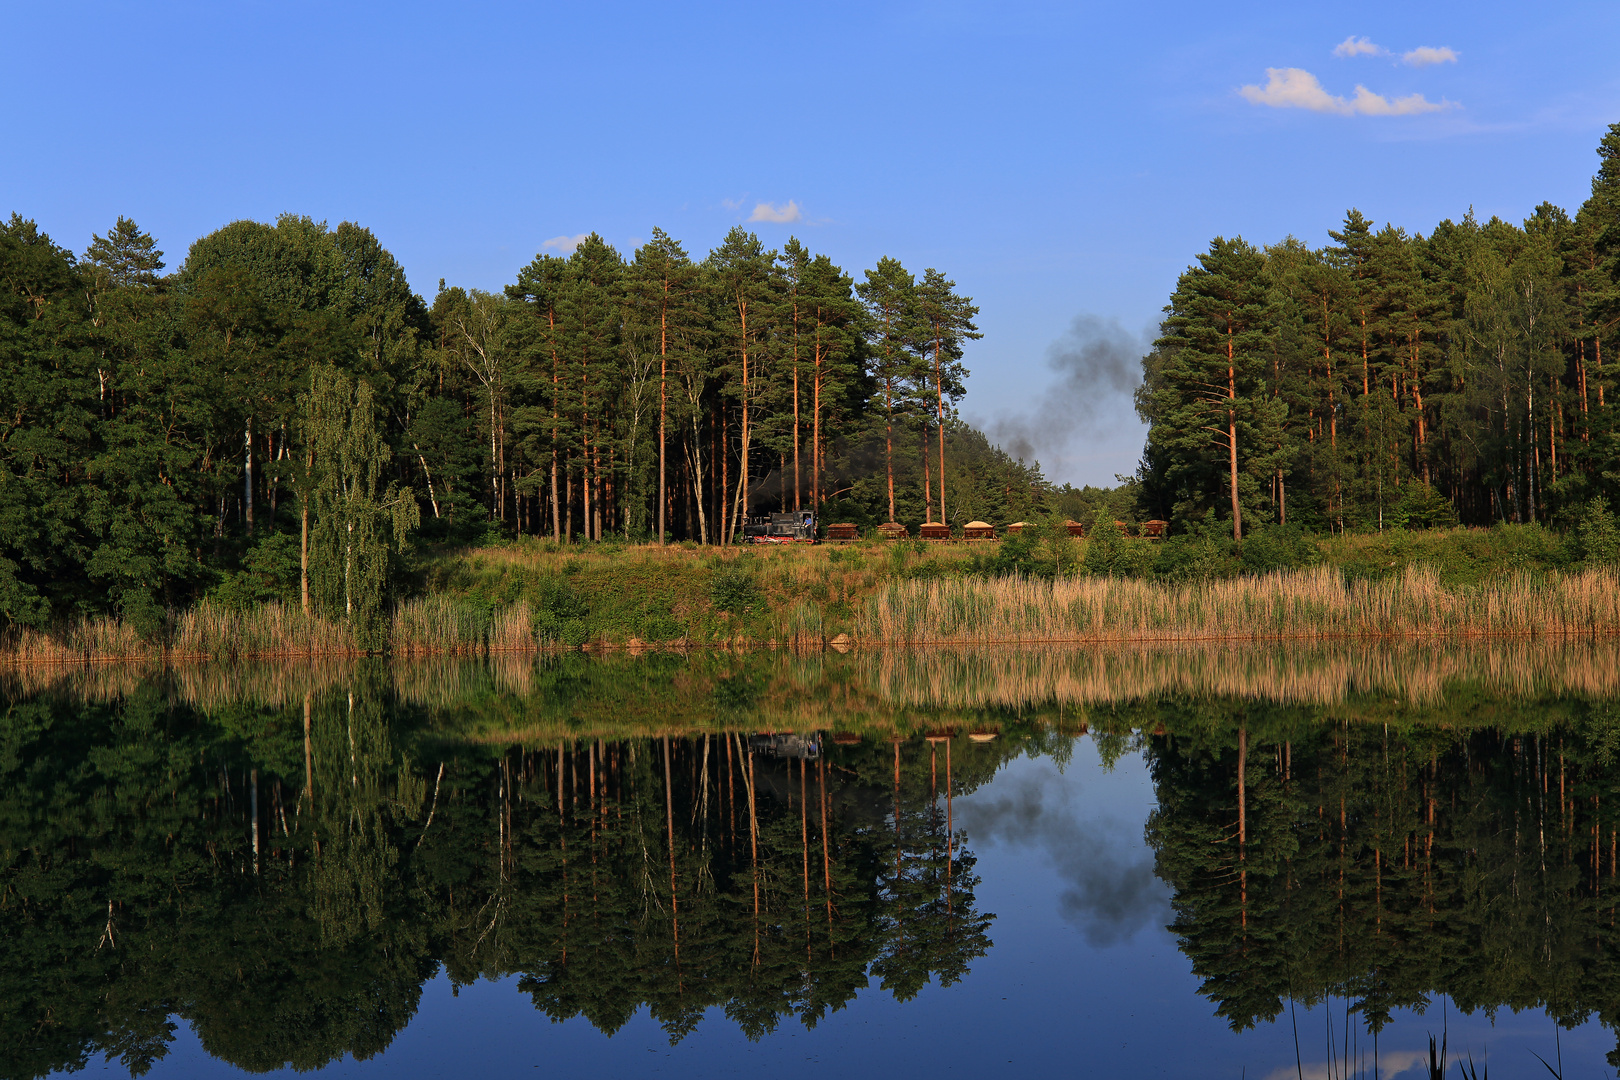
[(1354, 46), (731, 204), (565, 244), (1296, 88), (1394, 1063), (1425, 55), (788, 211), (1292, 88)]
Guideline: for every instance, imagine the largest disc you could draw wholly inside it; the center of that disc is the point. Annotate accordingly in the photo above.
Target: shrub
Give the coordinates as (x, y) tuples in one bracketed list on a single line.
[(559, 612), (1193, 557), (733, 589), (1104, 546), (1597, 537), (1421, 507), (1278, 547)]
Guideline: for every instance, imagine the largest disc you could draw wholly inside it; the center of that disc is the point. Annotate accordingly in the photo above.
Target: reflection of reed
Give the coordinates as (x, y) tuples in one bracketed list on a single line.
[(499, 695), (1314, 603), (1315, 673)]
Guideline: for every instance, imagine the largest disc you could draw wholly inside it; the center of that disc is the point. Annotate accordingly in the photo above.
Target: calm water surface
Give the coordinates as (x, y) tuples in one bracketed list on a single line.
[(1187, 863)]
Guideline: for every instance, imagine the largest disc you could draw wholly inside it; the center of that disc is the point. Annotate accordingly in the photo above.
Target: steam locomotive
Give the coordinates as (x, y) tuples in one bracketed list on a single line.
[(796, 528)]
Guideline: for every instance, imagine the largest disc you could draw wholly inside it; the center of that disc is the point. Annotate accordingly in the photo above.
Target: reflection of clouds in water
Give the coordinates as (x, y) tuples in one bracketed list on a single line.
[(1393, 1064), (1109, 889)]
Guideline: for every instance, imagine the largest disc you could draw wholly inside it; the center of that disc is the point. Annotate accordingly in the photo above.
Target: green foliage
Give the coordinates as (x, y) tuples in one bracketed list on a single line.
[(733, 588), (1597, 535), (1195, 556), (1422, 507), (1278, 547), (357, 520), (270, 571), (1105, 546), (1391, 379)]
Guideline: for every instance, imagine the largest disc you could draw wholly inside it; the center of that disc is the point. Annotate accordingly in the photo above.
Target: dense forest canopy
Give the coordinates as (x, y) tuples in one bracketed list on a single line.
[(1391, 378), (284, 404)]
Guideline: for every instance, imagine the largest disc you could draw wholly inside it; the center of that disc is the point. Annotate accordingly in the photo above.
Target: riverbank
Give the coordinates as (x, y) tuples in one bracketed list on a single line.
[(531, 596)]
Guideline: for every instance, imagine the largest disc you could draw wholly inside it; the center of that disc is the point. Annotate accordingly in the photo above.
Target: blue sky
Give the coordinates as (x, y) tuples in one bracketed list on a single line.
[(1055, 160)]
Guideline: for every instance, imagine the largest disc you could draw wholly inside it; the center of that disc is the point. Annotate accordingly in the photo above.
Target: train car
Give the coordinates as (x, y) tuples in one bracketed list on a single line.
[(794, 528)]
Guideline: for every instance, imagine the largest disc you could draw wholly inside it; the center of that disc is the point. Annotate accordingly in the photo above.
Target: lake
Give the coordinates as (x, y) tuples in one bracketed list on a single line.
[(1198, 860)]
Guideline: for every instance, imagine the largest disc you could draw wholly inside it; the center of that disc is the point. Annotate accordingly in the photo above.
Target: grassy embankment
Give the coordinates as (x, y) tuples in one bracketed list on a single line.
[(1513, 581)]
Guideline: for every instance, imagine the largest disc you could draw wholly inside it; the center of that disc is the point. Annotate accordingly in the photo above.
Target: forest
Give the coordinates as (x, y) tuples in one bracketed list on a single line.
[(1392, 379), (283, 417), (283, 403)]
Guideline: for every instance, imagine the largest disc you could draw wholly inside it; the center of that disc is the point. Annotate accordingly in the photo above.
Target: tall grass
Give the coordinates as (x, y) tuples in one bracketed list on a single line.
[(1316, 603)]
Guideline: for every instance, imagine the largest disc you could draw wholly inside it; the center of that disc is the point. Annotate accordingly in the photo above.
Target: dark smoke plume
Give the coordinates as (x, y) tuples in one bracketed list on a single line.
[(1098, 364)]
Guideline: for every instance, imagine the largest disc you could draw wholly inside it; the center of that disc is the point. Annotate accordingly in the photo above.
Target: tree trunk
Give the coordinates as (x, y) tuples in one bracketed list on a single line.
[(939, 397), (815, 437), (663, 406), (303, 546), (247, 476), (1231, 432), (888, 436)]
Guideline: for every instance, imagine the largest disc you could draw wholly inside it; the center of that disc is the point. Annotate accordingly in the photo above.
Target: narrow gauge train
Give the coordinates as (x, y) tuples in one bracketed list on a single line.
[(795, 528)]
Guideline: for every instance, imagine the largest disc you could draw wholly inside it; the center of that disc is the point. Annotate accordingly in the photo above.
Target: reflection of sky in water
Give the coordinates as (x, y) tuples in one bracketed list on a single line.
[(1083, 980)]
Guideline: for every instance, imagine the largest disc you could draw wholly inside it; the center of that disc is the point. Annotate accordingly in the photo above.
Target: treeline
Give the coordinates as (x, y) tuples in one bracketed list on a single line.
[(284, 405), (1392, 379)]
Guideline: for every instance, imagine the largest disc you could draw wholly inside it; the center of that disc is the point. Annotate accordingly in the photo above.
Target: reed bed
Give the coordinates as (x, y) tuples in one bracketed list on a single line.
[(445, 625), (1307, 604), (206, 631)]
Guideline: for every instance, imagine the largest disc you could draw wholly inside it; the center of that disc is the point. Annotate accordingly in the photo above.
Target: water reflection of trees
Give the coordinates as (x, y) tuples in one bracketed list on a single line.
[(286, 877), (1315, 855)]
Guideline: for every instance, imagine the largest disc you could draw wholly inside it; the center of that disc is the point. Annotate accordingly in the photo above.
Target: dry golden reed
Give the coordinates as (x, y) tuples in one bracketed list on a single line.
[(1315, 603)]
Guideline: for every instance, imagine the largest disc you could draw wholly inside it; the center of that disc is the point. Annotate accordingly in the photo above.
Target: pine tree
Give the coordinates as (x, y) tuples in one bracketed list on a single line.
[(740, 270), (887, 293), (944, 323), (1214, 363), (665, 287)]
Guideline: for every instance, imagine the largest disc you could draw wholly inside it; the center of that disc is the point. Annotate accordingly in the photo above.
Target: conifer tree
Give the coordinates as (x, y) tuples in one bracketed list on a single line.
[(1215, 362), (888, 296), (664, 283), (944, 324), (740, 269)]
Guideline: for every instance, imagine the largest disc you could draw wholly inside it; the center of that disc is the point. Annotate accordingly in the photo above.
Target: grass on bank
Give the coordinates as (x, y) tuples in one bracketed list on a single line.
[(527, 595)]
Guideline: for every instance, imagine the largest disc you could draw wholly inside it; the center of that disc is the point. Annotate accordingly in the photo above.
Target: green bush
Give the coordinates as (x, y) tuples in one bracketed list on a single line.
[(733, 588), (1278, 547), (1043, 550), (560, 613), (1105, 546), (270, 571), (1597, 537), (1421, 507), (1194, 557)]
